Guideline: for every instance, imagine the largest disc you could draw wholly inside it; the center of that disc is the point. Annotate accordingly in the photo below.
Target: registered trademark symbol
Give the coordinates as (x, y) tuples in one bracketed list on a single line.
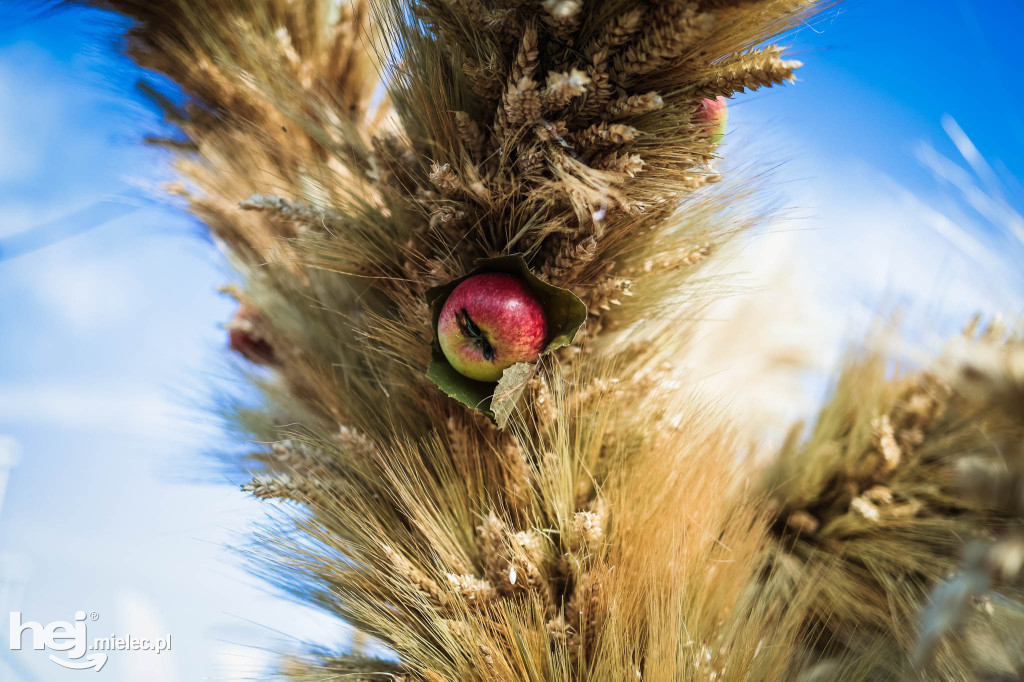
[(94, 616)]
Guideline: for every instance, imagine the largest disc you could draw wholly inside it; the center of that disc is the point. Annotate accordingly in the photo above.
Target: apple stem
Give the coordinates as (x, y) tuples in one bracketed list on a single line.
[(468, 328)]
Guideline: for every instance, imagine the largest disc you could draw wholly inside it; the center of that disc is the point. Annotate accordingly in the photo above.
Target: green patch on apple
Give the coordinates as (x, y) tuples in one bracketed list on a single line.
[(491, 326)]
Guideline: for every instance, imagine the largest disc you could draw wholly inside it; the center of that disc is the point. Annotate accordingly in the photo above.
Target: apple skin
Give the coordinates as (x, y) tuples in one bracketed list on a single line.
[(490, 322), (715, 113), (245, 339)]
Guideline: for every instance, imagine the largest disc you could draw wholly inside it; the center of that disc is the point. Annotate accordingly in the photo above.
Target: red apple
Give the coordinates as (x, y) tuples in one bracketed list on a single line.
[(714, 113), (245, 339), (489, 322)]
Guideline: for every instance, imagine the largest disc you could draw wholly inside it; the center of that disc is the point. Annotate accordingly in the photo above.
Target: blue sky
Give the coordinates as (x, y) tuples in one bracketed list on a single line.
[(110, 339), (880, 76)]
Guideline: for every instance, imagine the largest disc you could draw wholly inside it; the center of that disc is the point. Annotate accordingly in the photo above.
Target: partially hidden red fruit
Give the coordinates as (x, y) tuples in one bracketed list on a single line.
[(489, 322), (715, 113), (245, 339)]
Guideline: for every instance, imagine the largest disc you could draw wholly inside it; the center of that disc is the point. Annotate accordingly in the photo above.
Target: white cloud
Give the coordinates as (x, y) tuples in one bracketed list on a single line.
[(238, 662), (816, 287), (18, 153), (754, 349), (15, 217), (29, 111), (136, 615), (87, 294), (121, 409), (877, 246)]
